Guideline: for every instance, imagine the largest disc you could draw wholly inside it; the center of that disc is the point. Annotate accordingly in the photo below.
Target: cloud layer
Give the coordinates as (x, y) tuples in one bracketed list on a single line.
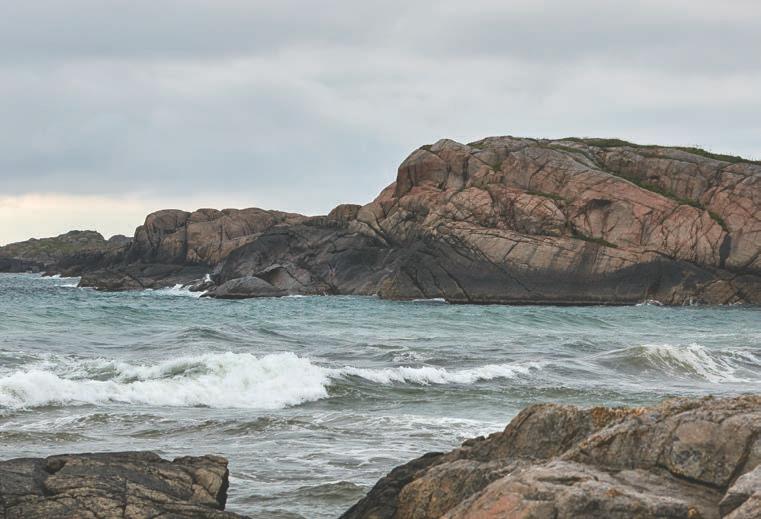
[(299, 105)]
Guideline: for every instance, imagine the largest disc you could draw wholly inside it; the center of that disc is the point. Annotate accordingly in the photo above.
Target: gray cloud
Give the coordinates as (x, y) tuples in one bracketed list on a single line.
[(301, 105)]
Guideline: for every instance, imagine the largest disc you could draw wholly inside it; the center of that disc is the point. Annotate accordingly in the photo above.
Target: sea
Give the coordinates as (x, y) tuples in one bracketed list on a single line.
[(313, 399)]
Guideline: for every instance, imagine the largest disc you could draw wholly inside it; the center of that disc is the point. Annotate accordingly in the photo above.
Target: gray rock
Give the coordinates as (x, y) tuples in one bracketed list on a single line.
[(127, 485), (245, 287)]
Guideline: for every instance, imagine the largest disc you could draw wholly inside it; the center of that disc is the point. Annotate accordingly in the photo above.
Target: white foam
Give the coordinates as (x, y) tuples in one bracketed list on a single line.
[(214, 380), (176, 290), (432, 375), (714, 366), (223, 380)]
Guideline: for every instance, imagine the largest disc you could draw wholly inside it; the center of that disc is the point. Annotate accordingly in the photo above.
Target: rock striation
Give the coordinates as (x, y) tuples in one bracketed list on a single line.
[(501, 220), (691, 459), (127, 485)]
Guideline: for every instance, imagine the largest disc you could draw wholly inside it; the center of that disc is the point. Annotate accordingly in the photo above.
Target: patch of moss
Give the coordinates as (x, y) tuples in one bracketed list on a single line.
[(553, 196), (603, 143), (718, 219), (591, 239), (673, 196), (734, 159), (567, 149), (426, 147), (695, 150)]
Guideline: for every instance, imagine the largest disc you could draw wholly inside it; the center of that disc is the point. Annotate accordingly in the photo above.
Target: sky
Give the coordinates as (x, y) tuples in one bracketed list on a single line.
[(111, 109)]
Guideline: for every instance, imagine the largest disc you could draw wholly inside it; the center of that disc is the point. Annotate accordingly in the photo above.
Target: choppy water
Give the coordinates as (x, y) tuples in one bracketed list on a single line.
[(314, 398)]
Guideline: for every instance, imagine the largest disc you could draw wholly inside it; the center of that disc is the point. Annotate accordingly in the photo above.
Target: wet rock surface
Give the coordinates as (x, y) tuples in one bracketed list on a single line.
[(681, 459), (129, 485)]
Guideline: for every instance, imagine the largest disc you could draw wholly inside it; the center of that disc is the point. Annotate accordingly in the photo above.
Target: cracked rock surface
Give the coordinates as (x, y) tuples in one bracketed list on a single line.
[(500, 220), (683, 458), (127, 485)]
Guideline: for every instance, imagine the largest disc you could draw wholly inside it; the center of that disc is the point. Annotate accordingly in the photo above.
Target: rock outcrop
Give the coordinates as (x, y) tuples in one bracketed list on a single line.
[(691, 459), (127, 485), (501, 220), (41, 254), (508, 220)]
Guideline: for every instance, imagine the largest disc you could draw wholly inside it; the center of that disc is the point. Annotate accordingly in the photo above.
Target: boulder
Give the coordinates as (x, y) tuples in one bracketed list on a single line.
[(203, 237), (245, 287), (680, 459), (119, 485)]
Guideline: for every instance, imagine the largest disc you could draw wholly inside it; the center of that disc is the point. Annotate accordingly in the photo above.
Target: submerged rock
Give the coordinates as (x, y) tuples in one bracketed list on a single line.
[(126, 485), (691, 459), (245, 287)]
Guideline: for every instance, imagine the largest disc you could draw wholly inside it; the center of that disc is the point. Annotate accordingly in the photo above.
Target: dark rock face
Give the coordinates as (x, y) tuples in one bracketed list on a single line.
[(681, 459), (245, 287), (501, 220), (129, 485)]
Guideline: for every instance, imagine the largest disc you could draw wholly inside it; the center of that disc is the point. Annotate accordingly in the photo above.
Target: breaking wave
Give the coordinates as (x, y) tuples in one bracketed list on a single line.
[(222, 380), (431, 375), (176, 290), (689, 361), (213, 380)]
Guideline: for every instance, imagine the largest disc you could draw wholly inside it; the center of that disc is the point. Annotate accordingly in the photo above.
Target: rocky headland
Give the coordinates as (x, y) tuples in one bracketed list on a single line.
[(681, 459), (501, 220)]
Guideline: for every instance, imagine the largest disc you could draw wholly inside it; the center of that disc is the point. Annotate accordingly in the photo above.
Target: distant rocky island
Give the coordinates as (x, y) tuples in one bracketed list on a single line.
[(501, 220)]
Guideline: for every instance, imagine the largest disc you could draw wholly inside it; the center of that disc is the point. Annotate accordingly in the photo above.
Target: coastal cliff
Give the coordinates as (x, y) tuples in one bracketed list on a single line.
[(501, 220), (690, 459)]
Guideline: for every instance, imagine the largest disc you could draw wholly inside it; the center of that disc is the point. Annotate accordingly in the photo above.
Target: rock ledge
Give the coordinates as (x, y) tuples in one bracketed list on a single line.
[(124, 485), (691, 459)]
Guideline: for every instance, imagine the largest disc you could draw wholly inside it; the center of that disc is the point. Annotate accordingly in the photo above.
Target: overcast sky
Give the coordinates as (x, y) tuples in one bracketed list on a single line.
[(110, 109)]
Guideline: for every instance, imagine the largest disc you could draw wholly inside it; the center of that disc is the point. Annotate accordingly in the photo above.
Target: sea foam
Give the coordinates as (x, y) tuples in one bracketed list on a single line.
[(224, 380), (214, 380), (693, 360)]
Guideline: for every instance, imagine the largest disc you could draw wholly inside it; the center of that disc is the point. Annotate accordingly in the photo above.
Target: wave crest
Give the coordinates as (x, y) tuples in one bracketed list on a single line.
[(213, 380), (692, 360), (223, 380)]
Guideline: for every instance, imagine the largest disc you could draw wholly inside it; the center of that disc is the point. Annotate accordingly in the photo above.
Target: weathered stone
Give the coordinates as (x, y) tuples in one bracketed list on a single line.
[(502, 220), (245, 287), (128, 485), (684, 458)]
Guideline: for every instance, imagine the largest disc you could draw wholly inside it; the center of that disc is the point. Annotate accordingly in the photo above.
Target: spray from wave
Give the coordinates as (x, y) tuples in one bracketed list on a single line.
[(223, 380), (176, 291)]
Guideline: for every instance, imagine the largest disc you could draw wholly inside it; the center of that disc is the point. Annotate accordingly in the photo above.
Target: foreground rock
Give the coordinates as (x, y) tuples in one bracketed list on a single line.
[(130, 485), (691, 459), (501, 220)]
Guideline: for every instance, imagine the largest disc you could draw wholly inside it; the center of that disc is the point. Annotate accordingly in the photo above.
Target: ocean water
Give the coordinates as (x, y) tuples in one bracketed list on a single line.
[(314, 398)]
